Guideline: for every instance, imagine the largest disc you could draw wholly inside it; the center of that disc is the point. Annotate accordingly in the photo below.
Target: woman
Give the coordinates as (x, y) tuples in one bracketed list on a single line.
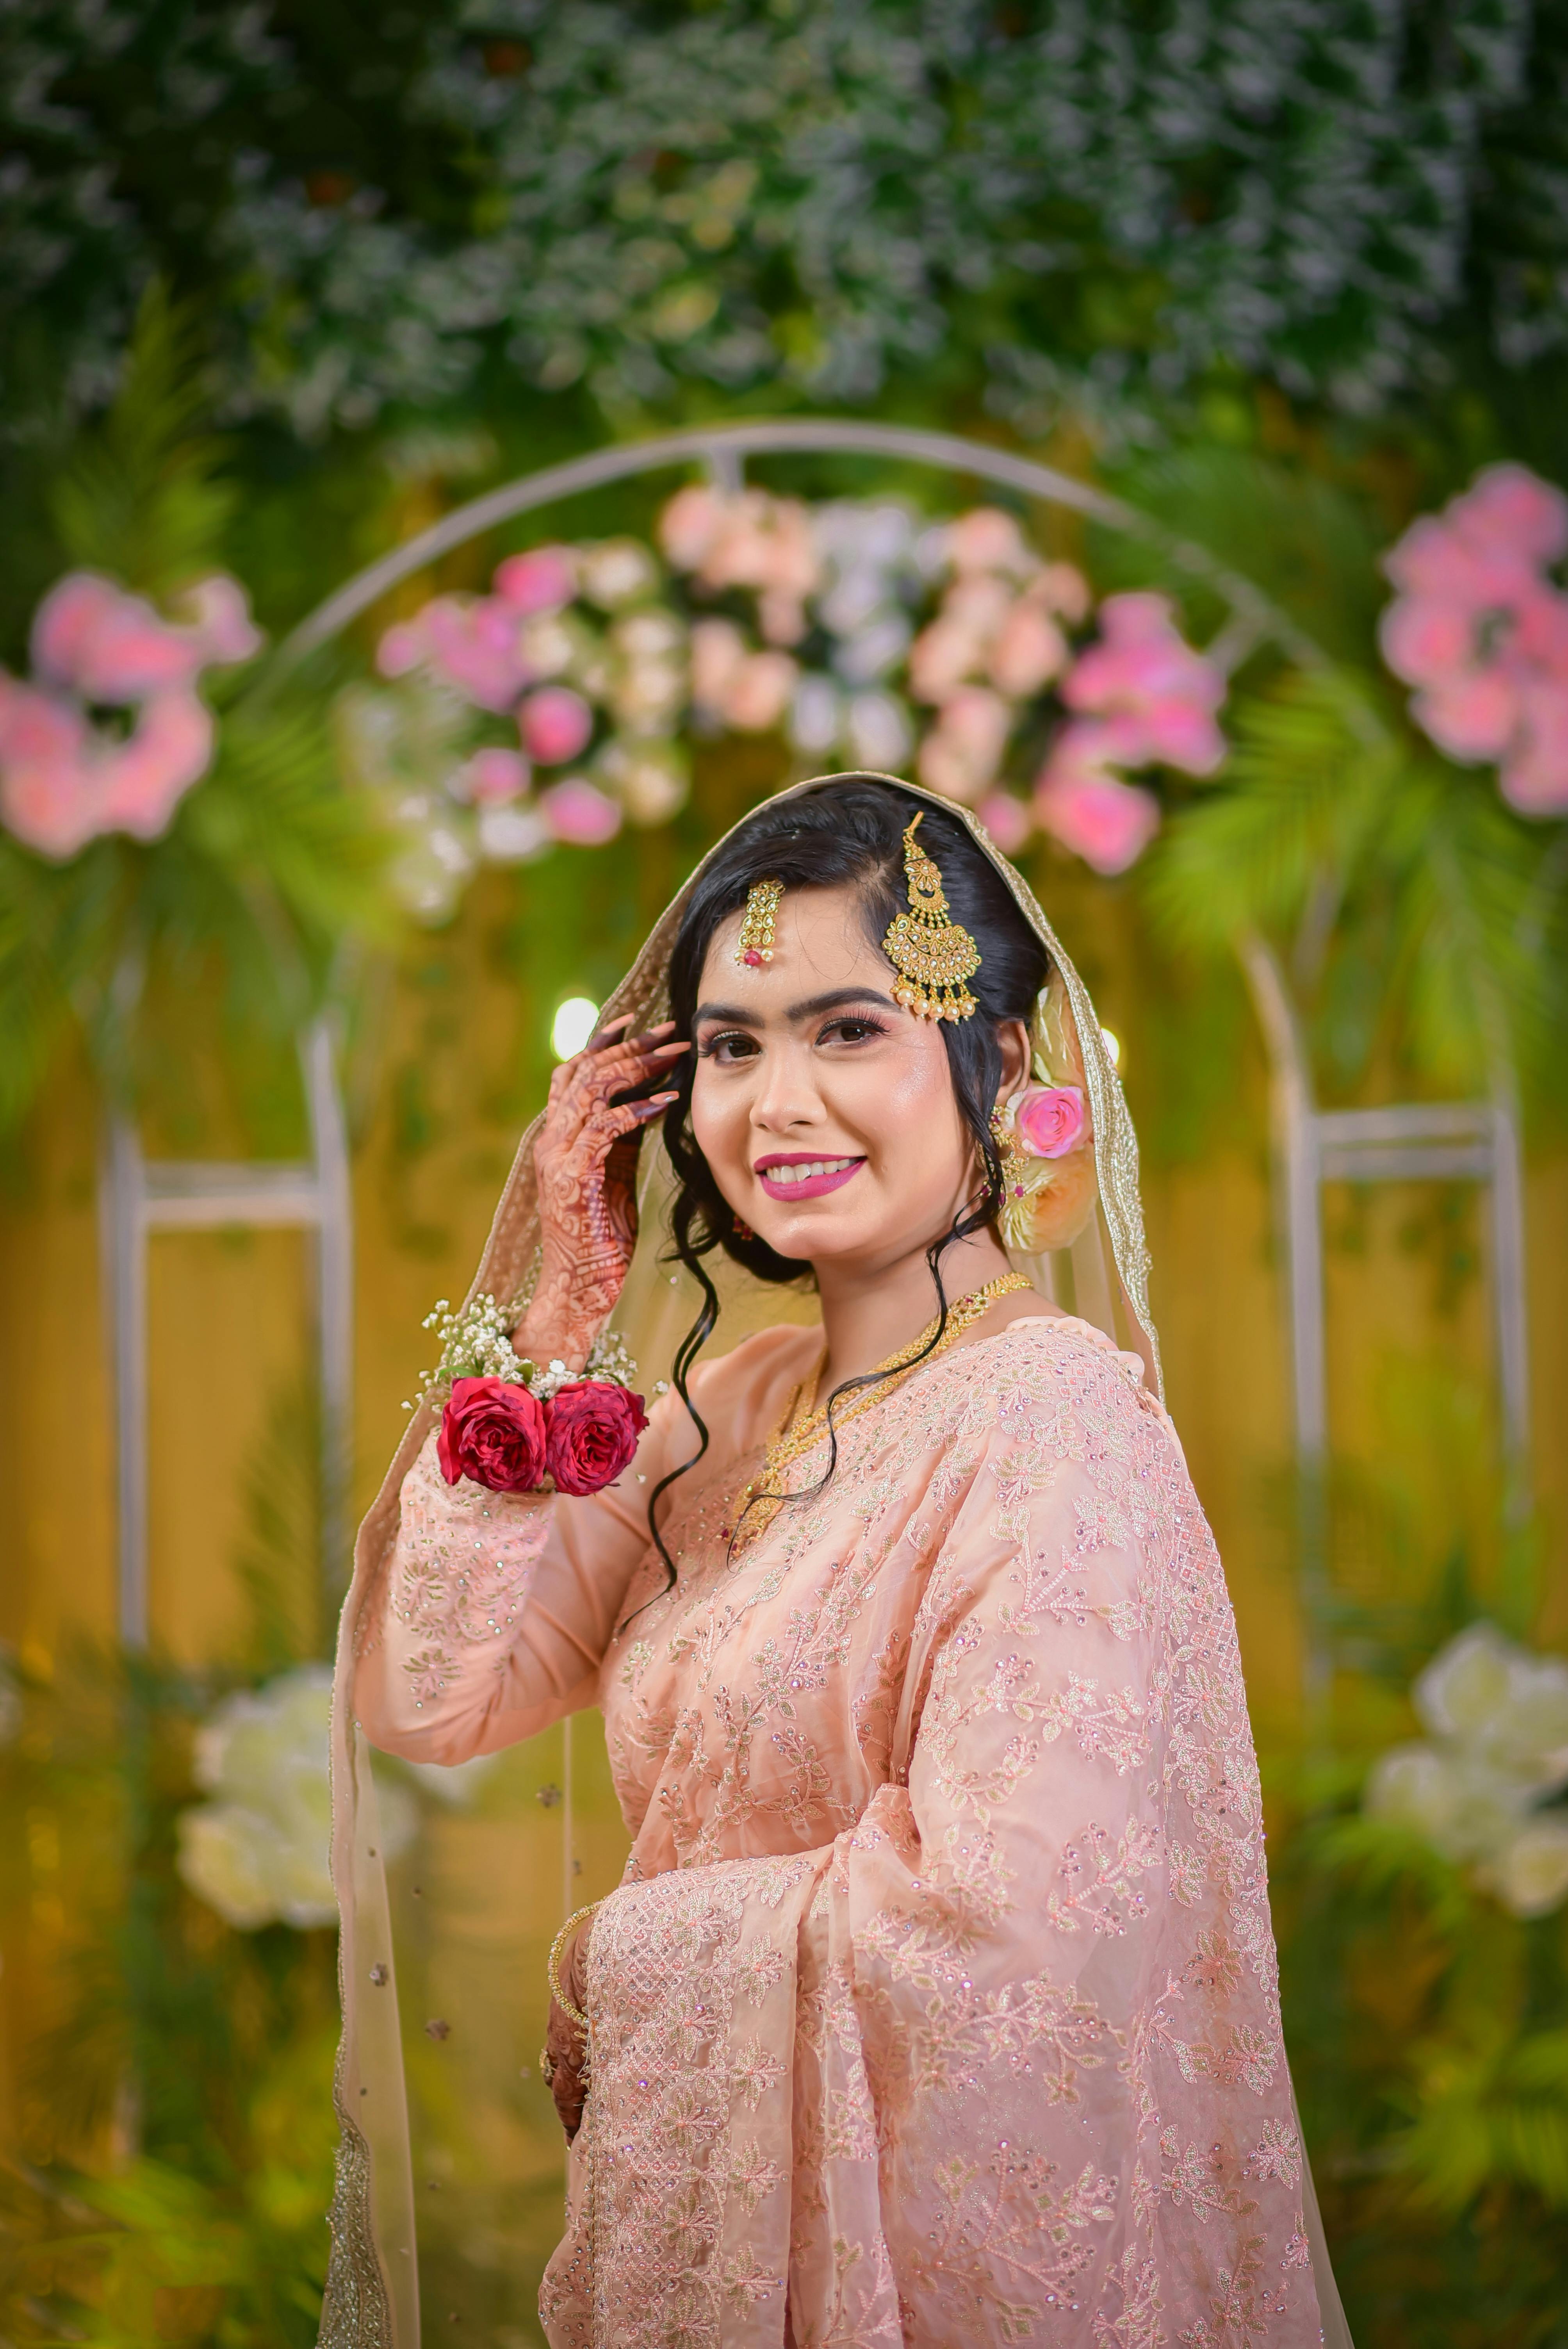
[(938, 2003)]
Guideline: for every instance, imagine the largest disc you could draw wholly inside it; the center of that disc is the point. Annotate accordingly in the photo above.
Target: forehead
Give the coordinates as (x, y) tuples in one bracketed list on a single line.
[(818, 934)]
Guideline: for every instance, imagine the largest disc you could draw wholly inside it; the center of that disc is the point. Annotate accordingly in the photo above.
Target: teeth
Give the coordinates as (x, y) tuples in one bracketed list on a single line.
[(804, 1173)]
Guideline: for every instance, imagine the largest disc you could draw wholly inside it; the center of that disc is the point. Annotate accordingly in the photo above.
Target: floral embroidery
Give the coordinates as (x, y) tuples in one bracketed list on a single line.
[(987, 2038), (1196, 2178), (1279, 2155)]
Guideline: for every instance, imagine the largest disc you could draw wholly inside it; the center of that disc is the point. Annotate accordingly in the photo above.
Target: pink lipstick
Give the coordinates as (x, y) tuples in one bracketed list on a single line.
[(801, 1175)]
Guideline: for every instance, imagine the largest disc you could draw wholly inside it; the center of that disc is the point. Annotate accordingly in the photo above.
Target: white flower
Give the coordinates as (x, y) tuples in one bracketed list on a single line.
[(1529, 1875), (1499, 1701), (259, 1852), (512, 835), (815, 715), (1465, 1810), (880, 736), (616, 571)]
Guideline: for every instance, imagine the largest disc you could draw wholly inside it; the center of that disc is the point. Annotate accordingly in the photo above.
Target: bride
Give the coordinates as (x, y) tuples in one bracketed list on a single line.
[(938, 2003)]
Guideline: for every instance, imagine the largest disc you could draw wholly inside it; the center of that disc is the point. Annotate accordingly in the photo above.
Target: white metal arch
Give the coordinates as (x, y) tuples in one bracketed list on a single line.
[(1476, 1140)]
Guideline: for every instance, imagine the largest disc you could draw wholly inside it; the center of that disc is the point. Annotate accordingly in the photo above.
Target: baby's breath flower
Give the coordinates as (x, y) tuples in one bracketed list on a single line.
[(475, 1343)]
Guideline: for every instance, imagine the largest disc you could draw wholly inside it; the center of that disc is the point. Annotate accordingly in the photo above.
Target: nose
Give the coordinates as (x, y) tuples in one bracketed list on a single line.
[(786, 1100)]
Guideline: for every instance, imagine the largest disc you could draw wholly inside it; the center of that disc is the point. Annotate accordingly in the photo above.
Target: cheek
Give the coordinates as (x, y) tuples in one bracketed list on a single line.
[(718, 1121), (907, 1112)]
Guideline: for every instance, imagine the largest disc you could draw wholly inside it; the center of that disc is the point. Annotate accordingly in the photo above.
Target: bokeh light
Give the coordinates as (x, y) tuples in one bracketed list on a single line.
[(575, 1022)]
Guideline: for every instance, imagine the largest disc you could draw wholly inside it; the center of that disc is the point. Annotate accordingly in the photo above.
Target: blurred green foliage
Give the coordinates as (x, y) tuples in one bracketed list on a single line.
[(657, 197)]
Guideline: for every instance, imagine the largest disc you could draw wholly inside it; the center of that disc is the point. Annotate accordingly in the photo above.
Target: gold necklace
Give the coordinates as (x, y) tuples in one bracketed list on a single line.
[(754, 1508)]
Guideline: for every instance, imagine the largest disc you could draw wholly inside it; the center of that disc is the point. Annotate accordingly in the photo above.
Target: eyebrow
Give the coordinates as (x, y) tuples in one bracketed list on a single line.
[(811, 1008)]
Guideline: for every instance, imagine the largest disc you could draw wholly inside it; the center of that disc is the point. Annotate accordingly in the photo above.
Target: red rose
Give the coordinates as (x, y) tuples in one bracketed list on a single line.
[(494, 1433), (591, 1430)]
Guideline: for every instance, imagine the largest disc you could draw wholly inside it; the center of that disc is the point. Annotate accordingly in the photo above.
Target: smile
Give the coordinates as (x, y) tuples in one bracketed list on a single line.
[(804, 1178)]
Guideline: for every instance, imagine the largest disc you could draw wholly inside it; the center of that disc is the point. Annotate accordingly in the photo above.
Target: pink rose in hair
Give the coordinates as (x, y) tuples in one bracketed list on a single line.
[(593, 1431), (492, 1432), (1049, 1120)]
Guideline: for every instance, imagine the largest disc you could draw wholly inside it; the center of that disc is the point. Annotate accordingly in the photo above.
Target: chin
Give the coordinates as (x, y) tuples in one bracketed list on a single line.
[(806, 1237)]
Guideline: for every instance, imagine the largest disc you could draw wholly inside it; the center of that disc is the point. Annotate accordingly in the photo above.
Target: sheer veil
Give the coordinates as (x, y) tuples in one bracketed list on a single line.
[(1099, 1273)]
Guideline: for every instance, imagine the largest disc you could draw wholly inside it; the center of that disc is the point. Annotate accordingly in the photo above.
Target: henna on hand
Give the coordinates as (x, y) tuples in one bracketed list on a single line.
[(585, 1168)]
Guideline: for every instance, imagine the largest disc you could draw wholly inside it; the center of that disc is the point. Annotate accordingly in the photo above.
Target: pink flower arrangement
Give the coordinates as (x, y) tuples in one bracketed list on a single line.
[(1145, 698), (473, 643), (63, 780), (1107, 823), (579, 814), (747, 689), (543, 580), (1143, 672), (749, 539), (1006, 819), (493, 777), (961, 754), (555, 725), (1481, 631), (477, 643)]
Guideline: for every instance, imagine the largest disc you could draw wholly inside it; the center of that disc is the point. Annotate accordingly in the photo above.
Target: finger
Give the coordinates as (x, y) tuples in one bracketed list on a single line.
[(618, 1067), (593, 1084), (605, 1126), (611, 1033)]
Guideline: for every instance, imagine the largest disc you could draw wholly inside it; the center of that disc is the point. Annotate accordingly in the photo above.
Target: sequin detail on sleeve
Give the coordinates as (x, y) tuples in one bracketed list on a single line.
[(460, 1572)]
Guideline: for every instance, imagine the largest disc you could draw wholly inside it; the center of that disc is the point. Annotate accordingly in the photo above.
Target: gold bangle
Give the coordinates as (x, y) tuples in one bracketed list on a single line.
[(554, 1962)]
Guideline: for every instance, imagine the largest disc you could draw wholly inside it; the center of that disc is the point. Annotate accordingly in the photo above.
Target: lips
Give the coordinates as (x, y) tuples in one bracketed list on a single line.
[(801, 1178)]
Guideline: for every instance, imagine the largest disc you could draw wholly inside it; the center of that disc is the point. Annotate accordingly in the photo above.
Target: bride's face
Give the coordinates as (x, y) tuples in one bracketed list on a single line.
[(824, 1109)]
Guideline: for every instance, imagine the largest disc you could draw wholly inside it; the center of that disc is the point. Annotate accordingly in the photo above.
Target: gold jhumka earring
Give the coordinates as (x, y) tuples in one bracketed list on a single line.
[(755, 944), (932, 953), (1015, 1162)]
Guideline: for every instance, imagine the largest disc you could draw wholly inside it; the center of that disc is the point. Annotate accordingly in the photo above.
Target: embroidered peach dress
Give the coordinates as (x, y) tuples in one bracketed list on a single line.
[(938, 2004)]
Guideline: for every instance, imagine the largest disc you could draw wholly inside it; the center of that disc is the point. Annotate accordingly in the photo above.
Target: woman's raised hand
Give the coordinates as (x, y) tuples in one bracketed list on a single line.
[(587, 1199)]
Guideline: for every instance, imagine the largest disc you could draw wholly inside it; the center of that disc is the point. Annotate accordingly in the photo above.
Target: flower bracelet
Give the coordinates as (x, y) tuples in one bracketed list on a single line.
[(516, 1426)]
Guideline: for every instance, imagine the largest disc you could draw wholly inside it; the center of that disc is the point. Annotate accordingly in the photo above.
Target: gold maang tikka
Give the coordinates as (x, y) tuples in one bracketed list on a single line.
[(755, 944), (933, 954)]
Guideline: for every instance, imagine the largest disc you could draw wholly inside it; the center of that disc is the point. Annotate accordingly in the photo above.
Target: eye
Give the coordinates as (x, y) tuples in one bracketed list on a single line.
[(729, 1045), (851, 1028)]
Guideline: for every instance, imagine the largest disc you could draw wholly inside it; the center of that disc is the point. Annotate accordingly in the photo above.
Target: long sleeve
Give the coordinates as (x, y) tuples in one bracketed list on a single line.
[(497, 1608)]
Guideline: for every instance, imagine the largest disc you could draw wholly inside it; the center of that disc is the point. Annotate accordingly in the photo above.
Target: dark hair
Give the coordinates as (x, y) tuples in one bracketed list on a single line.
[(849, 833)]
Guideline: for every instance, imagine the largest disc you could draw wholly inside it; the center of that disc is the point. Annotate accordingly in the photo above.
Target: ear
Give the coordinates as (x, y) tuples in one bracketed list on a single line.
[(1013, 1043)]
